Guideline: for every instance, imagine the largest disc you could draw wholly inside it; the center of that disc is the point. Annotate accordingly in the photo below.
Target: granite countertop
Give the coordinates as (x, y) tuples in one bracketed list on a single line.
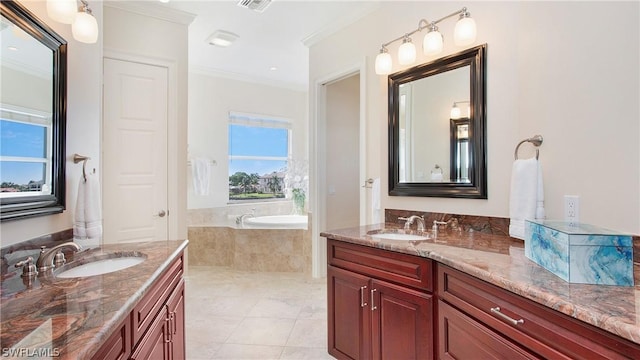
[(500, 260), (71, 318)]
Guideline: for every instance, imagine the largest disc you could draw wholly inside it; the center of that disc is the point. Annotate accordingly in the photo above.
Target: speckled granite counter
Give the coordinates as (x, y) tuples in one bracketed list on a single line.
[(500, 260), (71, 318)]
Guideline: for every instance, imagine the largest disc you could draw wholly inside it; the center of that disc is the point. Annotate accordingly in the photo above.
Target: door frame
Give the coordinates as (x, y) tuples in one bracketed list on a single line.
[(174, 161), (318, 161)]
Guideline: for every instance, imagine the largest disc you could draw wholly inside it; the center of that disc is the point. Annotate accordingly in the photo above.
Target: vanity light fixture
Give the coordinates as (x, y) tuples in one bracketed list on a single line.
[(85, 26), (455, 110), (62, 11), (464, 34), (222, 38)]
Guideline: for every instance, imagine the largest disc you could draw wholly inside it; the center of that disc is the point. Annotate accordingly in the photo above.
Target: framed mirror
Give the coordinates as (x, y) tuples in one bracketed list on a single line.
[(437, 140), (33, 102)]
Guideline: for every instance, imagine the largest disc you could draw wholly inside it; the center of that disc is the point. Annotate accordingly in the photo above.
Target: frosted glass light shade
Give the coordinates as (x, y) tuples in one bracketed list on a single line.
[(85, 28), (455, 112), (383, 63), (407, 53), (432, 43), (465, 32), (63, 11)]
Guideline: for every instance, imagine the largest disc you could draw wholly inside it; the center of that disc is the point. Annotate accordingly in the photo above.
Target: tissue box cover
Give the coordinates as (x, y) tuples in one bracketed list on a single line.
[(580, 253)]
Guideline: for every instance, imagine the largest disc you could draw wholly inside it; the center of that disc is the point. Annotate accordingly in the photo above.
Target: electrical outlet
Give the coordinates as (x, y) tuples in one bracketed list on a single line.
[(572, 209)]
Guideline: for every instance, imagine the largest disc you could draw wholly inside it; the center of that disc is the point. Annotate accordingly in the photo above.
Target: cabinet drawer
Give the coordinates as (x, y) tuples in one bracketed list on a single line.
[(460, 337), (146, 310), (546, 332), (403, 269)]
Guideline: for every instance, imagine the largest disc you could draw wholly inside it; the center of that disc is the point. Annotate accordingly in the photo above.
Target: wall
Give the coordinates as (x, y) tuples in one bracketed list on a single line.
[(211, 98), (84, 101), (550, 71), (343, 125), (136, 32)]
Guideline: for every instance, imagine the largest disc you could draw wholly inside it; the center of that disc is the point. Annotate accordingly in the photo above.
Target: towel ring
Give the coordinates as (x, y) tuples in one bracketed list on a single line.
[(76, 159), (436, 168), (536, 140)]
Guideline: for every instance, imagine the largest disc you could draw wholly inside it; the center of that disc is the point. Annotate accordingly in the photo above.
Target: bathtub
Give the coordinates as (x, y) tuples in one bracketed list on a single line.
[(276, 222)]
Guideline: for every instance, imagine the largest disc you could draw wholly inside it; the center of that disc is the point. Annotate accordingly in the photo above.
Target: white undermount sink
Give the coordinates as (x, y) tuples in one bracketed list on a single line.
[(398, 236), (100, 264)]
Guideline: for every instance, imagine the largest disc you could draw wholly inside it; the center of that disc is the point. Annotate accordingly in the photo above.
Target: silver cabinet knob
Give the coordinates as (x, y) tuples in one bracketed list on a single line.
[(162, 213)]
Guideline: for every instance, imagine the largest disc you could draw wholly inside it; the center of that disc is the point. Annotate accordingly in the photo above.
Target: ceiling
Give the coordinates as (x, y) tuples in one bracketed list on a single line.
[(276, 38)]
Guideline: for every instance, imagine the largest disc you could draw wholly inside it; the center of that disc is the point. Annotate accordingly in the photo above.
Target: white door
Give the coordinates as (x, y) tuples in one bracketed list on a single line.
[(135, 152)]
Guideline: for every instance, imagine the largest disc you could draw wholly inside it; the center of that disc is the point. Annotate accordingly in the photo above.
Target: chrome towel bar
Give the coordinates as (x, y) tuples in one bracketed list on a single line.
[(536, 140)]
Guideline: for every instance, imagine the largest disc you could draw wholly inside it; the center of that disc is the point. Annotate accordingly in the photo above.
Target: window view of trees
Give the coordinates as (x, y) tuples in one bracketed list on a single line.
[(243, 186)]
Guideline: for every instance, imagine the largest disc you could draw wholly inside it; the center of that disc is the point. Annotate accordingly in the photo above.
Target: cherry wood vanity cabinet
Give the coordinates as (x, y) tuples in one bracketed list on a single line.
[(155, 327), (380, 303), (480, 320)]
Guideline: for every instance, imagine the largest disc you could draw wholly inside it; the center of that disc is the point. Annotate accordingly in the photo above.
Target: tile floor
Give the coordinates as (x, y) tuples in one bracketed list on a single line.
[(232, 314)]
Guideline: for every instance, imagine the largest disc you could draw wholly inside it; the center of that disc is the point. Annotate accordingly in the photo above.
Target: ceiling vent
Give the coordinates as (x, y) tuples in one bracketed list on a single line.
[(255, 5)]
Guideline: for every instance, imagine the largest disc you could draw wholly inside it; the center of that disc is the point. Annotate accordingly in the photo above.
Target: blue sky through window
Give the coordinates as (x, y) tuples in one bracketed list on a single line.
[(22, 140), (255, 141)]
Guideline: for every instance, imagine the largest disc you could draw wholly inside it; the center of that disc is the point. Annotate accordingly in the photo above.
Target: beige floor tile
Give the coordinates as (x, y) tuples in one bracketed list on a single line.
[(262, 331), (309, 333), (241, 352), (305, 353), (277, 308)]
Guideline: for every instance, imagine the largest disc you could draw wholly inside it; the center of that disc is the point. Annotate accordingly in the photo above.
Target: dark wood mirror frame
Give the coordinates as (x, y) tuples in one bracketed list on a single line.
[(477, 187), (39, 205)]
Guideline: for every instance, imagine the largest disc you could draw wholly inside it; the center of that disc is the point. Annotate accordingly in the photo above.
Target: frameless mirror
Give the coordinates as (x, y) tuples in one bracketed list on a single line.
[(437, 128), (32, 115)]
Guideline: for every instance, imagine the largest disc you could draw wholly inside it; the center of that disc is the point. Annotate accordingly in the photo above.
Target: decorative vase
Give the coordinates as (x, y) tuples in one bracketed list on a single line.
[(298, 202)]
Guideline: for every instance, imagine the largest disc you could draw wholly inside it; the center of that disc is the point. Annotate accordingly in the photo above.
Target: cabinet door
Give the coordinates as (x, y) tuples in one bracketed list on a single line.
[(176, 322), (460, 337), (402, 322), (154, 345), (349, 314)]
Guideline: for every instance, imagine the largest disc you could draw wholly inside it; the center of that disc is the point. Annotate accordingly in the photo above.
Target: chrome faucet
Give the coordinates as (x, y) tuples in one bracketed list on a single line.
[(408, 221), (45, 260), (434, 228), (240, 219)]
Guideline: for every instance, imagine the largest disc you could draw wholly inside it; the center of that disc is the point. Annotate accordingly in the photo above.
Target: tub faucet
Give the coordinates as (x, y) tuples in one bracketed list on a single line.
[(408, 221), (240, 219), (45, 260)]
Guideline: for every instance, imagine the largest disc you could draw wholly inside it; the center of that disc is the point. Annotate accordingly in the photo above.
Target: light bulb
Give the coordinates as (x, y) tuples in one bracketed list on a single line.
[(85, 28), (407, 52), (432, 43), (455, 111), (383, 63), (465, 31), (63, 11)]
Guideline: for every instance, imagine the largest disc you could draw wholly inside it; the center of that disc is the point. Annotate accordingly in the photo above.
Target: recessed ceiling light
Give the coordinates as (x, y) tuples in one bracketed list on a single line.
[(12, 48), (273, 68), (222, 38)]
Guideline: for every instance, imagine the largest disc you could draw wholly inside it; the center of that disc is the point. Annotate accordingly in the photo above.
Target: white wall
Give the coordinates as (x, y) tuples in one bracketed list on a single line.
[(133, 32), (84, 99), (566, 70), (210, 100)]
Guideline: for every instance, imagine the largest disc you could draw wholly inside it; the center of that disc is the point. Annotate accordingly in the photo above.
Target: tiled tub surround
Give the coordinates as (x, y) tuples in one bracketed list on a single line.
[(580, 253), (216, 240), (500, 260), (73, 317)]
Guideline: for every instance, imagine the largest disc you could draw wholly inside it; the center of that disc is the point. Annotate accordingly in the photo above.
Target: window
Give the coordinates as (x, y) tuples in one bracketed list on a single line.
[(25, 158), (259, 151)]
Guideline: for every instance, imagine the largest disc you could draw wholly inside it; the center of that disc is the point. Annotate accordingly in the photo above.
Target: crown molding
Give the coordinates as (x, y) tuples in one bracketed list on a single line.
[(339, 24), (200, 70), (153, 10)]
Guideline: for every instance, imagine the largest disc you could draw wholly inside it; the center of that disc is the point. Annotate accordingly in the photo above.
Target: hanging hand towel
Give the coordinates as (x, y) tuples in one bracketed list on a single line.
[(87, 225), (527, 196), (375, 201), (201, 175)]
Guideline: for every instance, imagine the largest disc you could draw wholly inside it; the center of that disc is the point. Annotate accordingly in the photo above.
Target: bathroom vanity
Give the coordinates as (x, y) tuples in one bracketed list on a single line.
[(134, 313), (466, 296)]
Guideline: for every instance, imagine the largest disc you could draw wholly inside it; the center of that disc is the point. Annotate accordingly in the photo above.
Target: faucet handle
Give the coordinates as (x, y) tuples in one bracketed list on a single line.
[(28, 268), (59, 259)]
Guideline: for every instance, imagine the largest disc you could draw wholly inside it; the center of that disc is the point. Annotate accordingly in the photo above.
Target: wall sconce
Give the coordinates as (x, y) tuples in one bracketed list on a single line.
[(464, 34), (455, 110), (84, 25)]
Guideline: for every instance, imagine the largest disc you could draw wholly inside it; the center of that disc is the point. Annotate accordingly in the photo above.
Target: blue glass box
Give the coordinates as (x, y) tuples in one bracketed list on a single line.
[(580, 253)]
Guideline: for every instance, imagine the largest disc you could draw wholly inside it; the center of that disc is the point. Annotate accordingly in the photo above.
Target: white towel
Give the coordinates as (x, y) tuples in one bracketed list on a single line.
[(375, 201), (87, 224), (527, 195), (201, 175)]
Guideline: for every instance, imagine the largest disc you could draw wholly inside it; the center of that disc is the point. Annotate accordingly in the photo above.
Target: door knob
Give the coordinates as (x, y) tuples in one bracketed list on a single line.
[(162, 213)]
